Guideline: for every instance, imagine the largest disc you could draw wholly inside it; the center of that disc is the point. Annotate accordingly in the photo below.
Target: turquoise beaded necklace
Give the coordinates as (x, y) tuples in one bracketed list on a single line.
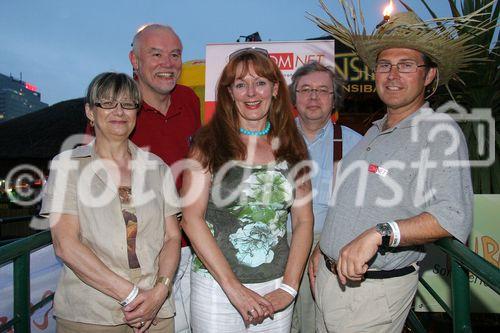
[(256, 133)]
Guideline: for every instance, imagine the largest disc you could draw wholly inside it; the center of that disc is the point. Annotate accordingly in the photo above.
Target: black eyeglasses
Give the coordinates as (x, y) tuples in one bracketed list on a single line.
[(246, 49), (108, 105)]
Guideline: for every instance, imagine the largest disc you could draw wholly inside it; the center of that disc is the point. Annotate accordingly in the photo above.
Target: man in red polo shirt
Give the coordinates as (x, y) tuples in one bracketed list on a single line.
[(169, 117)]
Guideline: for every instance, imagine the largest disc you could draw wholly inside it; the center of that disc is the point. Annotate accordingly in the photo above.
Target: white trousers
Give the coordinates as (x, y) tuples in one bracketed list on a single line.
[(182, 292), (212, 312)]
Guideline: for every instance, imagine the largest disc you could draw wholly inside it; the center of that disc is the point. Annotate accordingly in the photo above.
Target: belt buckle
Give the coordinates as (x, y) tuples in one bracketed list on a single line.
[(330, 264)]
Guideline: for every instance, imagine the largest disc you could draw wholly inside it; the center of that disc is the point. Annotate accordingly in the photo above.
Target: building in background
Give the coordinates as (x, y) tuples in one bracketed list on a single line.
[(17, 98)]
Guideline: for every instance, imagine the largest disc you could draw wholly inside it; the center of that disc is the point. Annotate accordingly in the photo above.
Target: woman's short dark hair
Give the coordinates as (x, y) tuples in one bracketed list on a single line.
[(110, 85)]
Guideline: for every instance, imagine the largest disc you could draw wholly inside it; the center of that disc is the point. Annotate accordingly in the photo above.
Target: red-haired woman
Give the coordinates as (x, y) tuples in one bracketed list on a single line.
[(249, 177)]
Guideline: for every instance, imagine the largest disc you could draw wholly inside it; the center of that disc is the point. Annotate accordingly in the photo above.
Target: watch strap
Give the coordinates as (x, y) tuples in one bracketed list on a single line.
[(385, 230)]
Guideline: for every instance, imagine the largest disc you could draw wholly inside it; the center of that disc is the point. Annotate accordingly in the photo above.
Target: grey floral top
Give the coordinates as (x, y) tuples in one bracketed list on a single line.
[(247, 213)]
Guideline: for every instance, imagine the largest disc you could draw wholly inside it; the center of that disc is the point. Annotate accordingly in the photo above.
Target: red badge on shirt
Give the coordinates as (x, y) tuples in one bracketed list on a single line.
[(373, 168)]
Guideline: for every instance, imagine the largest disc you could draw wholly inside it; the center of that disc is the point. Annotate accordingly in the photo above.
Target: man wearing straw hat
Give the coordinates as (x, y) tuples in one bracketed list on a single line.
[(406, 183)]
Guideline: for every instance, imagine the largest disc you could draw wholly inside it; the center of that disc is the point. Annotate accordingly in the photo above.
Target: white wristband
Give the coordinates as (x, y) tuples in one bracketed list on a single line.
[(396, 234), (288, 289), (133, 294)]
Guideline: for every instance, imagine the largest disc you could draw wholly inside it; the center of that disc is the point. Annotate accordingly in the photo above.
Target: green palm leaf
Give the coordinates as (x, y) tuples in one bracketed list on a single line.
[(479, 88)]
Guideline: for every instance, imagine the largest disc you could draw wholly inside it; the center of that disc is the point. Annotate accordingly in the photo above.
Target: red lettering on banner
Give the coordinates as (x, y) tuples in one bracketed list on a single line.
[(283, 60)]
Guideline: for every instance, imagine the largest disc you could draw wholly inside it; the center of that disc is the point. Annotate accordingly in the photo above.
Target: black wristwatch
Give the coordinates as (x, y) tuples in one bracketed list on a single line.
[(386, 231)]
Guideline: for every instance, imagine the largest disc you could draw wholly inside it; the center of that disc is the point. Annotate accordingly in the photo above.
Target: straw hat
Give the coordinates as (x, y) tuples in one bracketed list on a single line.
[(445, 40)]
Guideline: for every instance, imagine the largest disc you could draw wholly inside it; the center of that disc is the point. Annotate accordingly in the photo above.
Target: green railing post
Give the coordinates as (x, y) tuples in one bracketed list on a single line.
[(460, 298), (414, 323), (18, 252), (22, 292)]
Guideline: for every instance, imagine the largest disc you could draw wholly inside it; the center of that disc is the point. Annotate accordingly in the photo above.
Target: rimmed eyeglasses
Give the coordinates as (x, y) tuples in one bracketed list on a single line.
[(108, 105), (403, 67), (307, 91)]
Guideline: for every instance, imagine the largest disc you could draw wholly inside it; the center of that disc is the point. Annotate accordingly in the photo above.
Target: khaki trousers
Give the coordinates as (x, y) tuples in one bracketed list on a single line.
[(165, 325), (369, 306)]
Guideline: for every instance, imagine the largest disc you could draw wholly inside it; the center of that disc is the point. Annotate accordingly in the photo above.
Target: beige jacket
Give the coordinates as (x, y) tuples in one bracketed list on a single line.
[(77, 185)]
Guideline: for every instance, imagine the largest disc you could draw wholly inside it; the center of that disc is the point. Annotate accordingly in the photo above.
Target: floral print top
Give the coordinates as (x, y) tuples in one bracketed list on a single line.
[(247, 213)]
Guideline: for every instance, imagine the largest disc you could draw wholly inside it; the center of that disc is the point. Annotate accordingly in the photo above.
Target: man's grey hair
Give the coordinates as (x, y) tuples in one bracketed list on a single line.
[(312, 67), (148, 27)]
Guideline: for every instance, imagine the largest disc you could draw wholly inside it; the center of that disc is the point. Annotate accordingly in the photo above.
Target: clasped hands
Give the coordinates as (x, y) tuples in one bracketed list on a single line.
[(254, 308)]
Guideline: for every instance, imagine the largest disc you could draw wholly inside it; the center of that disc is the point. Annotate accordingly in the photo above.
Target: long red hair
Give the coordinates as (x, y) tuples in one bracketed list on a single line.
[(218, 142)]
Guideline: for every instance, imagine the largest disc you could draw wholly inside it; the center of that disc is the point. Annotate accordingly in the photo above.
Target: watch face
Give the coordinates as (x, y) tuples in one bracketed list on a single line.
[(384, 229)]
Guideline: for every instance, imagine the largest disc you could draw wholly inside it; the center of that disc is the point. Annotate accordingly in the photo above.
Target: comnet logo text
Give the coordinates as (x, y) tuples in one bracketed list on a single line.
[(289, 61), (283, 60)]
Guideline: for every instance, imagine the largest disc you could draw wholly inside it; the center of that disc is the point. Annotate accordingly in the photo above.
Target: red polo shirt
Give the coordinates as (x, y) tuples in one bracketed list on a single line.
[(169, 136)]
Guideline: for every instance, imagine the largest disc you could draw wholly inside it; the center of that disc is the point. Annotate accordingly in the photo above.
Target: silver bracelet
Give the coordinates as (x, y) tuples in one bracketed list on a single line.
[(288, 289), (133, 294)]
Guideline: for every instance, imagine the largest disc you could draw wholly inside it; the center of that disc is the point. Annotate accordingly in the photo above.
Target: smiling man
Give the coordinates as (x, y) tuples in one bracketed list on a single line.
[(170, 112), (405, 184), (168, 118)]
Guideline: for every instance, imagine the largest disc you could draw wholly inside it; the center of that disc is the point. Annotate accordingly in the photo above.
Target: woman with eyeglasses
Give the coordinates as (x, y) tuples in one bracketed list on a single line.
[(112, 210), (246, 176)]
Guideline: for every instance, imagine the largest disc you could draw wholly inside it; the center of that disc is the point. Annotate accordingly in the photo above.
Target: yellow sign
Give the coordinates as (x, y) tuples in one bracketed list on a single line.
[(193, 76), (484, 240)]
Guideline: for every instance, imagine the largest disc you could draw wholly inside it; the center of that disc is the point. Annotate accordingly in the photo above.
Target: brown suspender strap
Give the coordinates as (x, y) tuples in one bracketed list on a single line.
[(337, 142)]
